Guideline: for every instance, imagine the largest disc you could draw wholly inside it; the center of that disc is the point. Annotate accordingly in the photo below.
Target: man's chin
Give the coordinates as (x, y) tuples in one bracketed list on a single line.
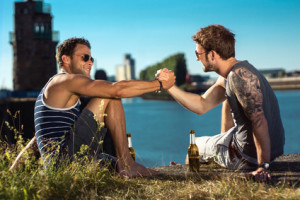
[(205, 69), (87, 74)]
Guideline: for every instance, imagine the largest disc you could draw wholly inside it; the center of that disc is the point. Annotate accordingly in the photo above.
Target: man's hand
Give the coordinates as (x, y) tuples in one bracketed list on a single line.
[(166, 76), (260, 175), (162, 74)]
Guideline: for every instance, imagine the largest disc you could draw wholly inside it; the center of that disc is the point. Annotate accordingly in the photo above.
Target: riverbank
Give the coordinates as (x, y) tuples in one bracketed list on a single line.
[(285, 83), (278, 84)]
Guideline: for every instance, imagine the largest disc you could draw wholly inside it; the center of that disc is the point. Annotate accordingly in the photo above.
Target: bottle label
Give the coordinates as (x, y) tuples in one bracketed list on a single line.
[(194, 158), (129, 142)]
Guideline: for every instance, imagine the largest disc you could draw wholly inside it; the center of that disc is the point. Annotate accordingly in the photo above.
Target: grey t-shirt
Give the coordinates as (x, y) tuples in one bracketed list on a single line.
[(243, 136)]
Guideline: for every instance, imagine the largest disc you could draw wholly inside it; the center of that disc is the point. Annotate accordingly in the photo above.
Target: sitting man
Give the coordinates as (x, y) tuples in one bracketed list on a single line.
[(256, 135), (58, 119)]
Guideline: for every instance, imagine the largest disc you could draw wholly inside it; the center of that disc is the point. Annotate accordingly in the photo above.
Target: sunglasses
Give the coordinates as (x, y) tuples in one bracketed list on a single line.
[(198, 54), (86, 58)]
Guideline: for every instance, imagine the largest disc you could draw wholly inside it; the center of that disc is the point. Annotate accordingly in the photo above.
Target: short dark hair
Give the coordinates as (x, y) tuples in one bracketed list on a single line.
[(217, 38), (67, 48)]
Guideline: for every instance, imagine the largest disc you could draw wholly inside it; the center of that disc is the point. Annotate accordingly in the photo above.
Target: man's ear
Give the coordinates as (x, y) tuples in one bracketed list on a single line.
[(66, 59), (214, 54)]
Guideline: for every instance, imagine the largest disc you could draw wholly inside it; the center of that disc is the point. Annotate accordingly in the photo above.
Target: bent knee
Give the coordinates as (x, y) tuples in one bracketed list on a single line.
[(97, 105)]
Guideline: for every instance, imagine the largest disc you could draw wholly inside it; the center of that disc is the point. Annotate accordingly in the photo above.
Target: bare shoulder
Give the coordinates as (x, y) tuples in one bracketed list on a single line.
[(67, 86), (220, 81), (78, 84), (62, 78), (68, 82)]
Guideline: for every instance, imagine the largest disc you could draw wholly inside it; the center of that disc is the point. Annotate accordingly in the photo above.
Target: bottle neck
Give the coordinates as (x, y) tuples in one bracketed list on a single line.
[(129, 142), (192, 138)]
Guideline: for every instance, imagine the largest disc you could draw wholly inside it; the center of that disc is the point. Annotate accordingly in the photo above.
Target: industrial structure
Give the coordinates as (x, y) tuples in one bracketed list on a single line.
[(127, 70), (34, 45)]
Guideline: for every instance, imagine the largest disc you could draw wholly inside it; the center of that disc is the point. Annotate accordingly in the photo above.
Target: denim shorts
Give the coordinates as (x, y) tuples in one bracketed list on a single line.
[(217, 148), (86, 132)]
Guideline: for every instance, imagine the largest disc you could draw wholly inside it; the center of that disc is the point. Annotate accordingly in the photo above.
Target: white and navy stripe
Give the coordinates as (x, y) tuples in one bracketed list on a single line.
[(52, 124)]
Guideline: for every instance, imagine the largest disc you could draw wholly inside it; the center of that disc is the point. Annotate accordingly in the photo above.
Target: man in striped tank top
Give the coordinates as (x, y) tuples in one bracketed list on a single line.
[(59, 121)]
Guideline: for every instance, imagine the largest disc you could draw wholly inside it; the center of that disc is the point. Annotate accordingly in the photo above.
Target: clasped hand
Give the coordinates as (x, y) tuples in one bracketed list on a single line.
[(166, 76)]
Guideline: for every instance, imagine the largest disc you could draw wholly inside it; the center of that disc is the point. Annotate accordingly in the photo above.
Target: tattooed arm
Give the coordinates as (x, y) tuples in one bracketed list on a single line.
[(246, 86)]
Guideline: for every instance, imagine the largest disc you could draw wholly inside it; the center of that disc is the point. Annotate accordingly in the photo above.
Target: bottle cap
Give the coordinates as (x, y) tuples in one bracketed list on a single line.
[(192, 131), (128, 134)]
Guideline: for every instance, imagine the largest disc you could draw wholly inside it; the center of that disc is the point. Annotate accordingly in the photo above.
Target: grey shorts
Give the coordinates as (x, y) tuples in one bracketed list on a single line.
[(217, 148), (86, 132)]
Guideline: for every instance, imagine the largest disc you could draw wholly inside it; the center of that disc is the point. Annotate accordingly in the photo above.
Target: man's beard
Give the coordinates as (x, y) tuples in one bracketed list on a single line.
[(208, 68)]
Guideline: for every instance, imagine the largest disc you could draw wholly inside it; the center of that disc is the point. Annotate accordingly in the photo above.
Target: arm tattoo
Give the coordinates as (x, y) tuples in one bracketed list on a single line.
[(246, 86)]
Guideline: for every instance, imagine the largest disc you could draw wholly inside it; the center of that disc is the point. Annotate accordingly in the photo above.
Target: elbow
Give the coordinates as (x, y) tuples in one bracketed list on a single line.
[(118, 91), (200, 112), (119, 94), (259, 121)]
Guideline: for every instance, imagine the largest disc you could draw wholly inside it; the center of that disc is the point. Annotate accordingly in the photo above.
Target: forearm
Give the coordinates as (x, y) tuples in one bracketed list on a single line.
[(262, 141), (133, 88), (188, 100), (226, 118), (199, 104)]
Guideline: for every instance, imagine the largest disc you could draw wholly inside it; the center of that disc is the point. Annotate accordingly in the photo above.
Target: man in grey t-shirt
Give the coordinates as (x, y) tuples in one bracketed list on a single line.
[(255, 136)]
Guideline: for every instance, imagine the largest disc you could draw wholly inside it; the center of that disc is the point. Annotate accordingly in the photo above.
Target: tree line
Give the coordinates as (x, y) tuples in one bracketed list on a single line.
[(176, 63)]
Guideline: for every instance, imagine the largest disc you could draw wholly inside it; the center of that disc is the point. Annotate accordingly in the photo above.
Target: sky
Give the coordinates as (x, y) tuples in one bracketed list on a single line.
[(267, 31)]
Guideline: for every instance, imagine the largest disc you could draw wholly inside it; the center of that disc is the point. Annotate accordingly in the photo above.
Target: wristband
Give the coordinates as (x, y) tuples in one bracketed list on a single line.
[(160, 87), (265, 165)]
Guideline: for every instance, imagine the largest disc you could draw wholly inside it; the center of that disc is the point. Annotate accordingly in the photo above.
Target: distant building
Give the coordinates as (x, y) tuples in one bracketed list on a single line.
[(295, 73), (127, 70), (198, 79), (273, 73), (34, 45)]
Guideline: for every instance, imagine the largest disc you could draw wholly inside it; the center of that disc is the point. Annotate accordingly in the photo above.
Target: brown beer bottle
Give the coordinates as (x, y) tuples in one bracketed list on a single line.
[(131, 150), (193, 153)]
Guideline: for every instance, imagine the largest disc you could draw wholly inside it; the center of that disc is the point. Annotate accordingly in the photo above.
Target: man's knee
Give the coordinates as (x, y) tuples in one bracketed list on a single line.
[(97, 105)]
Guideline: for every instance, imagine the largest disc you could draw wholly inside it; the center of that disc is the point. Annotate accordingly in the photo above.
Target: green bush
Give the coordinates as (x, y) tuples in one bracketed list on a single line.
[(176, 63)]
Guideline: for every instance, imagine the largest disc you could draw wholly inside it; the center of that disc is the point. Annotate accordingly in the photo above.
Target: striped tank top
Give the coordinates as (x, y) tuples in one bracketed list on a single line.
[(52, 125)]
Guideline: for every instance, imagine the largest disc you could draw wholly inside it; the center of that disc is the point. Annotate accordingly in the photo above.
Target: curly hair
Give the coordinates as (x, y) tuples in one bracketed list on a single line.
[(217, 38), (67, 48)]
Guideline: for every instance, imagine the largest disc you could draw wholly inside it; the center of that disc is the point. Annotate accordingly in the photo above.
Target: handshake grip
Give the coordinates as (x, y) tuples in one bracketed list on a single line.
[(166, 78)]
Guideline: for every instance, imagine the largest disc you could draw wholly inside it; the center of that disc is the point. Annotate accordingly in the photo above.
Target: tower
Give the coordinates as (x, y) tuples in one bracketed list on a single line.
[(129, 66), (33, 44), (127, 70)]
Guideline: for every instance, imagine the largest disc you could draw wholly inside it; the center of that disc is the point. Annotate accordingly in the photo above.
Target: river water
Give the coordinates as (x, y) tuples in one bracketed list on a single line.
[(160, 129)]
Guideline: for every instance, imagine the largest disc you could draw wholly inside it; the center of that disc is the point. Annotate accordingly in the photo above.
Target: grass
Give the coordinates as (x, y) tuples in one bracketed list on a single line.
[(85, 179)]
